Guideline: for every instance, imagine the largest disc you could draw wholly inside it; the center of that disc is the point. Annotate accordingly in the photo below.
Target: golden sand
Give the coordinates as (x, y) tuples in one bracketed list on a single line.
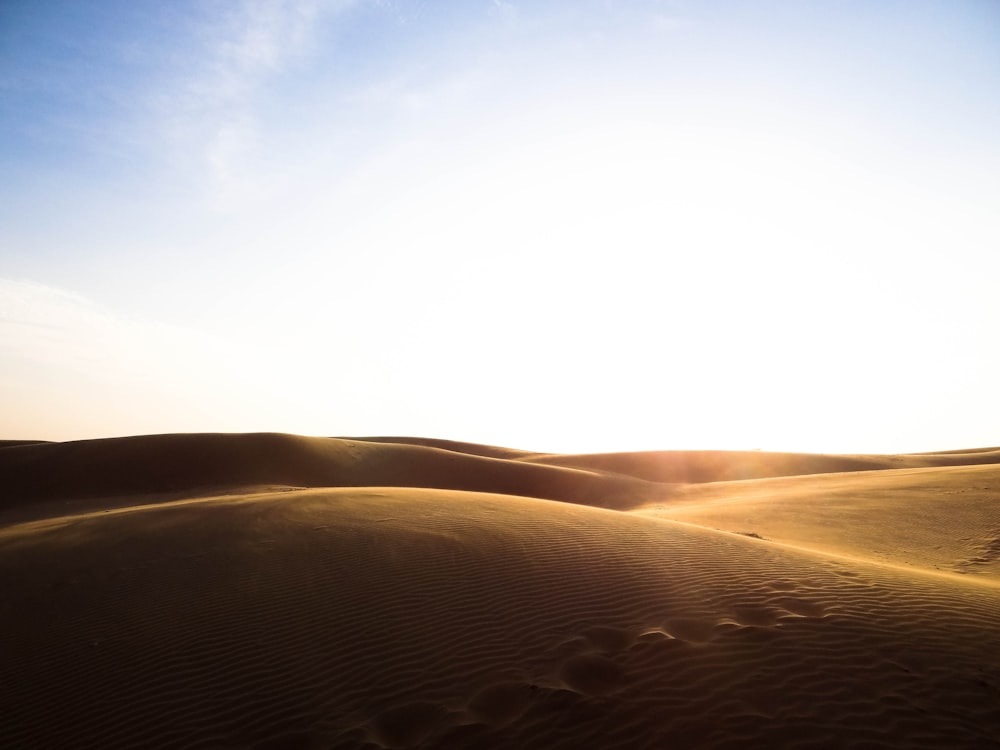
[(275, 591)]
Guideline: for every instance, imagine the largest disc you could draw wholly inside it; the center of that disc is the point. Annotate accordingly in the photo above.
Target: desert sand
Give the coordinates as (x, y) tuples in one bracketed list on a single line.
[(278, 591)]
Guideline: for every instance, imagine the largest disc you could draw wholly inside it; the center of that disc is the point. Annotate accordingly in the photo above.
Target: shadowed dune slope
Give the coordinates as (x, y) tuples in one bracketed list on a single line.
[(417, 618), (473, 449), (196, 462)]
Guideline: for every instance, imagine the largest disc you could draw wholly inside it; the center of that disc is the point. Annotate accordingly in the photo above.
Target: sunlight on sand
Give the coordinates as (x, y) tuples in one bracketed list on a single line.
[(266, 590)]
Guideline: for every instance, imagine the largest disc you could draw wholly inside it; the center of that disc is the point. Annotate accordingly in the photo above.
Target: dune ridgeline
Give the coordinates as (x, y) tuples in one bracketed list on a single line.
[(275, 591)]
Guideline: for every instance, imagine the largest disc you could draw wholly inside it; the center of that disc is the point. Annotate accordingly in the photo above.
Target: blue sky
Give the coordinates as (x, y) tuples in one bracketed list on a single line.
[(568, 226)]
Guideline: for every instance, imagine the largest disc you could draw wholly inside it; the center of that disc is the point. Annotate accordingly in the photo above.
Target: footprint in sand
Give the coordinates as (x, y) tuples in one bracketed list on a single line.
[(607, 639), (501, 704), (592, 674)]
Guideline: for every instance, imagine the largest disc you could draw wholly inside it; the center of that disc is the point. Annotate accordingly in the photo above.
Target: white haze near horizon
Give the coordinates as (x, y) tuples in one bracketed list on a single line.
[(572, 227)]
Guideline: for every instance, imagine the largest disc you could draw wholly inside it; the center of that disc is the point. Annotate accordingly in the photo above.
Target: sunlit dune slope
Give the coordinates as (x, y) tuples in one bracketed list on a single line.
[(693, 466), (724, 466), (946, 519), (371, 618), (273, 591), (183, 463)]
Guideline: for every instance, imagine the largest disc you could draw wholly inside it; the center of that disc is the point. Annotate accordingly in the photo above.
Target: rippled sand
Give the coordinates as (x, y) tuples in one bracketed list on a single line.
[(275, 591)]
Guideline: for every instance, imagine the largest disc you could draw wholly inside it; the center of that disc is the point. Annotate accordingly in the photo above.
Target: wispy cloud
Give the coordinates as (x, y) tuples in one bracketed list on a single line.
[(506, 11), (212, 112), (68, 364), (669, 23), (45, 327), (71, 368)]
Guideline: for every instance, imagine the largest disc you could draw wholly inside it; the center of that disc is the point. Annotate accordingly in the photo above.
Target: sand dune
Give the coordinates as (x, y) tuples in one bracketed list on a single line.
[(194, 463), (275, 591), (726, 466), (944, 519)]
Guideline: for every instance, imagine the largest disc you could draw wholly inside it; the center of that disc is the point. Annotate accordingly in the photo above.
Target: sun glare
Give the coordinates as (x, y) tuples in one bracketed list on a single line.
[(659, 249), (707, 230)]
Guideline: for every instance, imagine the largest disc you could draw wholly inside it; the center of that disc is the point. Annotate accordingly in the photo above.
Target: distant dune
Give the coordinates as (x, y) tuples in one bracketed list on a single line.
[(276, 591)]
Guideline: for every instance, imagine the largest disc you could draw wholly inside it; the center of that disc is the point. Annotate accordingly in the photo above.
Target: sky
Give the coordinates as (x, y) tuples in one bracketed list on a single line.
[(567, 226)]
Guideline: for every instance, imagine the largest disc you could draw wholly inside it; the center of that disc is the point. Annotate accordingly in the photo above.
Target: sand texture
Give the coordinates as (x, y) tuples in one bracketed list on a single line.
[(275, 591)]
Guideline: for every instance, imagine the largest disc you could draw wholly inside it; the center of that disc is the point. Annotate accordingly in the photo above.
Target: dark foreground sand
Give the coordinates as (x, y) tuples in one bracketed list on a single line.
[(274, 591)]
